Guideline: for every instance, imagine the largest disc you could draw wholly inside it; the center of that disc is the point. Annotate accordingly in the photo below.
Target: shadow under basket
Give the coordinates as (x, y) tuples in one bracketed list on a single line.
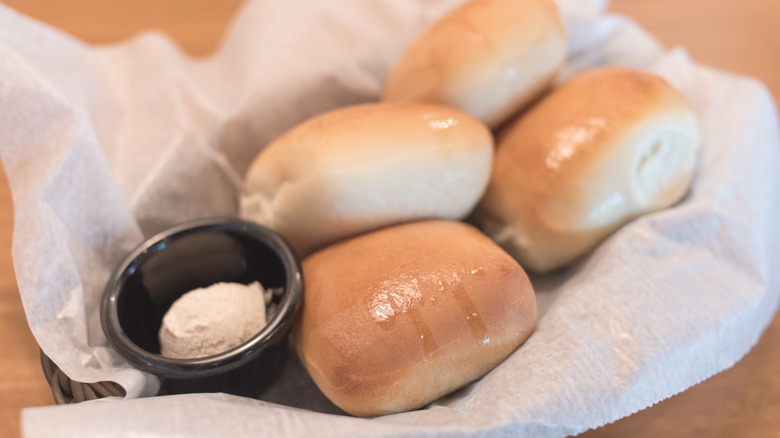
[(64, 390)]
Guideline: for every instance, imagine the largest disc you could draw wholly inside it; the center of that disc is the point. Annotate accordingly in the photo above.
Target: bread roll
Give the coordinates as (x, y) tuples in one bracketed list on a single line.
[(395, 319), (607, 146), (360, 168), (487, 57)]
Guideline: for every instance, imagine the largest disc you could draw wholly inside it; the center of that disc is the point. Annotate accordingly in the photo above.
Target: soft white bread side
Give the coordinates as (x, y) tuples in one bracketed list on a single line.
[(394, 319), (487, 57), (364, 167), (607, 146)]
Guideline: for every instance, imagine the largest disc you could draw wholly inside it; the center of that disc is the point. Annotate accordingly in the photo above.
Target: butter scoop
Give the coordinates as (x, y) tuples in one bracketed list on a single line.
[(211, 320)]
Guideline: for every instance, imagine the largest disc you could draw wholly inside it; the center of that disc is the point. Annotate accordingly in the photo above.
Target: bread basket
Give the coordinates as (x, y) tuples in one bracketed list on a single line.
[(64, 390)]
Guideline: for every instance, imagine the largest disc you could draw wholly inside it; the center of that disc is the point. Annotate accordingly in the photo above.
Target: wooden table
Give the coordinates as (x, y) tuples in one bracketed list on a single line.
[(742, 36)]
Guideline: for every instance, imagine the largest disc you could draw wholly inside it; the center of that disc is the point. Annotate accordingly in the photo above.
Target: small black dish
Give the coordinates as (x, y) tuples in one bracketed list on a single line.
[(190, 256)]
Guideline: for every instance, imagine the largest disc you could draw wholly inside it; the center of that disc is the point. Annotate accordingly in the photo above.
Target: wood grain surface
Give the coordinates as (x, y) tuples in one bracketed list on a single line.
[(741, 36)]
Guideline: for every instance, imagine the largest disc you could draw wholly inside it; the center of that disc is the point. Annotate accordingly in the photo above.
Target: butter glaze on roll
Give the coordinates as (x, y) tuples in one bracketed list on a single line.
[(360, 168), (487, 57), (608, 146), (394, 319)]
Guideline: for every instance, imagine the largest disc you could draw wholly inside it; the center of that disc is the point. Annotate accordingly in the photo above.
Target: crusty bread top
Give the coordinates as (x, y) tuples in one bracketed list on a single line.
[(583, 120), (486, 57), (553, 146), (359, 168), (416, 307), (609, 144), (361, 132)]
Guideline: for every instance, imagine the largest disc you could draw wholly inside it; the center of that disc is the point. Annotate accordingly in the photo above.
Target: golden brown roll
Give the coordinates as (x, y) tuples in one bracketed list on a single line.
[(364, 167), (607, 146), (487, 57), (395, 319)]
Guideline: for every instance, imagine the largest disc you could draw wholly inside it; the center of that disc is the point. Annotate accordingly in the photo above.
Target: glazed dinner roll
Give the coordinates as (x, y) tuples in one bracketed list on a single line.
[(394, 319), (609, 145), (487, 57), (363, 167)]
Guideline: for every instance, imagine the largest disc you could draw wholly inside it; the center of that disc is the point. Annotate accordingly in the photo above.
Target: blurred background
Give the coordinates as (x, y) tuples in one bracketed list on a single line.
[(741, 36)]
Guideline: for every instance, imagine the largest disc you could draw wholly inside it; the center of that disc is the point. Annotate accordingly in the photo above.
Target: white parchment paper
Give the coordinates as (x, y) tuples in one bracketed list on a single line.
[(106, 145)]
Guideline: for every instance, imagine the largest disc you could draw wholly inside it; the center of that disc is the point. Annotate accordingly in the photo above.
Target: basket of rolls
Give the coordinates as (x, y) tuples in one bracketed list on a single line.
[(465, 217)]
